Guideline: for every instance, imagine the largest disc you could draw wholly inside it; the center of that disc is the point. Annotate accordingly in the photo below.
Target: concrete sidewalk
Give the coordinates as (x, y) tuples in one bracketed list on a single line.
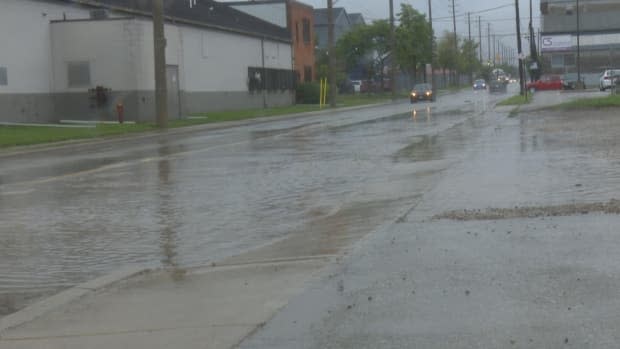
[(213, 307), (521, 283)]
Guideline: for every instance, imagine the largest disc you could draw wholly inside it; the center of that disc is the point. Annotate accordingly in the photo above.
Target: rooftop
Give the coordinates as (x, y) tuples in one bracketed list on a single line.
[(206, 13), (320, 15)]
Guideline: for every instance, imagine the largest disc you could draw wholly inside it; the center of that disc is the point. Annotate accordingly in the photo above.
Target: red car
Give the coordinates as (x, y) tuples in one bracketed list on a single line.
[(546, 83)]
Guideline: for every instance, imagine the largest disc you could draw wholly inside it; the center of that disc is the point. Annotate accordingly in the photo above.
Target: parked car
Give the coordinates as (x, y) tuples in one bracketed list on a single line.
[(606, 79), (480, 85), (569, 81), (498, 86), (546, 83), (422, 92)]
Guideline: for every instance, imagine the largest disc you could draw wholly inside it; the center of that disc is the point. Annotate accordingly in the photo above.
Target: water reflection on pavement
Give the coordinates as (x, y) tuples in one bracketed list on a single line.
[(188, 199)]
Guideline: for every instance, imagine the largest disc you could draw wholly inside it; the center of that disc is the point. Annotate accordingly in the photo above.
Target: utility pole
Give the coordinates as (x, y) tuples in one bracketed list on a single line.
[(393, 50), (331, 54), (519, 50), (480, 37), (578, 48), (470, 72), (469, 26), (494, 51), (430, 22), (456, 39), (489, 41), (161, 93)]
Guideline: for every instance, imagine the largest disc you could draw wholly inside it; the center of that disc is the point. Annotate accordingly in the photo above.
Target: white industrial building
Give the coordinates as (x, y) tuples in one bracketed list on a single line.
[(78, 59), (599, 37)]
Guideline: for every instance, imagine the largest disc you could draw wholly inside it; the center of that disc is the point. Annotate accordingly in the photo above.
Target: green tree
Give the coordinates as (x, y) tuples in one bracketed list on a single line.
[(365, 45), (447, 56), (468, 58), (354, 46), (413, 40), (380, 38)]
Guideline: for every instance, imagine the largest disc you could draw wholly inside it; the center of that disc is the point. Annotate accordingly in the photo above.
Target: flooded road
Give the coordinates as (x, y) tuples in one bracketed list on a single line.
[(186, 199)]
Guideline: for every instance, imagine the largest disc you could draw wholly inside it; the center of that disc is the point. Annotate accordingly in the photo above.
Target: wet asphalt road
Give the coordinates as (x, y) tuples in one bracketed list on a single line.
[(193, 198), (514, 246)]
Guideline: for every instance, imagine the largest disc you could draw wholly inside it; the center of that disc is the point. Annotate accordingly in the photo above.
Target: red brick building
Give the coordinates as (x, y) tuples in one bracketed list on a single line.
[(298, 18)]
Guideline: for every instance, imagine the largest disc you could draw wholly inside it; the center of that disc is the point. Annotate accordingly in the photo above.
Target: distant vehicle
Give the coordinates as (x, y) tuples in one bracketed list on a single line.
[(480, 85), (422, 92), (367, 86), (546, 83), (569, 81), (606, 79), (503, 78), (498, 86), (375, 86)]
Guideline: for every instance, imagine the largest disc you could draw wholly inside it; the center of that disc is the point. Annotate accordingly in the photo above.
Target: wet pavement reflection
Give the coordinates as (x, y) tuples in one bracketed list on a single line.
[(296, 187)]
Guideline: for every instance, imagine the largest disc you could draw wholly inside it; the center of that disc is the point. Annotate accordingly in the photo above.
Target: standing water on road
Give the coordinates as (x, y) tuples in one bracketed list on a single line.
[(183, 200)]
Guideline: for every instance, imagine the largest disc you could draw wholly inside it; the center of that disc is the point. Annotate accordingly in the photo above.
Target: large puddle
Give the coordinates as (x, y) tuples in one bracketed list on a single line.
[(193, 200)]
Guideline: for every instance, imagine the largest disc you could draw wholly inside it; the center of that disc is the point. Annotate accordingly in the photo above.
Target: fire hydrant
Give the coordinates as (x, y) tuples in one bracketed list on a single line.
[(120, 111)]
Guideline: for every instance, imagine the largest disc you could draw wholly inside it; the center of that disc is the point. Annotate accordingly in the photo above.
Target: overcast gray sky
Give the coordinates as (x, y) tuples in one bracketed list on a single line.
[(502, 20)]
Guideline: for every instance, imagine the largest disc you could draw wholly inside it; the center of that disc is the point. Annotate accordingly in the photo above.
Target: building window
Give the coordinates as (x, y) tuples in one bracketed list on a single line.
[(306, 31), (78, 74), (557, 61), (270, 79), (307, 74), (297, 31), (4, 79)]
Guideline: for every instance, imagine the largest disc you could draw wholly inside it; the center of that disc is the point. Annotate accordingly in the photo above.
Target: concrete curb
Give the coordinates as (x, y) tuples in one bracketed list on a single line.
[(12, 151), (63, 298)]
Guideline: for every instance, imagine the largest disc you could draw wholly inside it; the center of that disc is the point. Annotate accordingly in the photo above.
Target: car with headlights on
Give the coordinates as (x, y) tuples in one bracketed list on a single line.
[(480, 85), (422, 92)]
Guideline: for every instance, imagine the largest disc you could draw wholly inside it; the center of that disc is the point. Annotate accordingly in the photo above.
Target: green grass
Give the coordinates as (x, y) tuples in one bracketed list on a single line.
[(29, 135), (610, 101), (236, 115), (515, 100)]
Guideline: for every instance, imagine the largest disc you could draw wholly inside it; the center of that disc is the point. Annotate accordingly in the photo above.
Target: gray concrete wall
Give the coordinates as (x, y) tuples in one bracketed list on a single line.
[(78, 106), (200, 102), (138, 105), (22, 107)]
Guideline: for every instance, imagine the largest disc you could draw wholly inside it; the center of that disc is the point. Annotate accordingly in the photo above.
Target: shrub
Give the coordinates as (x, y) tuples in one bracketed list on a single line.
[(308, 93)]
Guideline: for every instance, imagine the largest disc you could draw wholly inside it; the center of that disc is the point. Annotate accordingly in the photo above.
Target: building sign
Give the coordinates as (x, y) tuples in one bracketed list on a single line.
[(556, 42)]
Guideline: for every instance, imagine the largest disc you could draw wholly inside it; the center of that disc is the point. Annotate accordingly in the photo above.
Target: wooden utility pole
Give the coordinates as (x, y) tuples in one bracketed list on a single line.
[(494, 50), (489, 41), (578, 47), (456, 41), (519, 49), (331, 51), (469, 26), (161, 93), (430, 22), (470, 73), (480, 36), (393, 52)]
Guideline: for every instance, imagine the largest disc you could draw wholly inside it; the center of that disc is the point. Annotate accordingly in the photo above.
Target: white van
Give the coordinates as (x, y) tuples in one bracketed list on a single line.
[(606, 81)]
